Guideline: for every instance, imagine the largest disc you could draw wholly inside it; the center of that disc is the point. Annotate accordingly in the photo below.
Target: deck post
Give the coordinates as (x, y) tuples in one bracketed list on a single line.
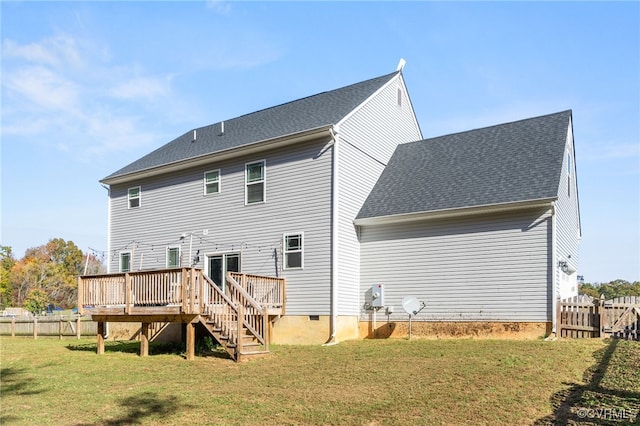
[(191, 341), (558, 323), (144, 339), (266, 330), (192, 291), (183, 281), (240, 330), (127, 293), (100, 338)]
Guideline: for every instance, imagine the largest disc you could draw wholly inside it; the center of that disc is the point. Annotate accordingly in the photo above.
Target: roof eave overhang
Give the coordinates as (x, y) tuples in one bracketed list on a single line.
[(250, 148), (455, 212)]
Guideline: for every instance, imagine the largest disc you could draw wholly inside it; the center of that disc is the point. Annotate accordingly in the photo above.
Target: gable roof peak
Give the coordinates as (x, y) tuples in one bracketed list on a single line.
[(291, 118)]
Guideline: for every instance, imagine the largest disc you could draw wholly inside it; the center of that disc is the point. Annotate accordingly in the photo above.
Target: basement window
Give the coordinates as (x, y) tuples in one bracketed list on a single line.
[(133, 195)]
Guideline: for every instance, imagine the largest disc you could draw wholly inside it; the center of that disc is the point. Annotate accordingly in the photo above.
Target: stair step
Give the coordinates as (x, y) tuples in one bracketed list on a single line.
[(253, 353)]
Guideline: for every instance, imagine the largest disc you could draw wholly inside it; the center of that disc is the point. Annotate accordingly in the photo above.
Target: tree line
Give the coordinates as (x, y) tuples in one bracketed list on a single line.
[(46, 275), (610, 290)]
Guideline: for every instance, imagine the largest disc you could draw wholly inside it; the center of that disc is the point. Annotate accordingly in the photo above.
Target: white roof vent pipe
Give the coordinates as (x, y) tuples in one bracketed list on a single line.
[(221, 128), (194, 135)]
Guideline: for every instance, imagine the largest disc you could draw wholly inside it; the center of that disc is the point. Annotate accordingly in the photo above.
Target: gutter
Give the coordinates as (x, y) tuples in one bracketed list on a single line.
[(248, 148), (108, 227), (335, 192), (458, 211)]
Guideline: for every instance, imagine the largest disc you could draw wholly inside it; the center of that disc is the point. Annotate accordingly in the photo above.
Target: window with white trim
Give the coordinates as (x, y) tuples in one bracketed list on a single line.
[(173, 257), (125, 261), (133, 196), (212, 182), (293, 251), (255, 182)]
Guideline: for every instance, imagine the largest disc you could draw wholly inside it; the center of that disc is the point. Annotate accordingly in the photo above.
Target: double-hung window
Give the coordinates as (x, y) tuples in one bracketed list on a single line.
[(212, 182), (125, 261), (173, 257), (133, 196), (293, 251), (255, 182)]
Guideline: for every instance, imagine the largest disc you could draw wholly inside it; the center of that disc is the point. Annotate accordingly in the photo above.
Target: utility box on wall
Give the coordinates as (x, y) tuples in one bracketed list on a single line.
[(377, 296)]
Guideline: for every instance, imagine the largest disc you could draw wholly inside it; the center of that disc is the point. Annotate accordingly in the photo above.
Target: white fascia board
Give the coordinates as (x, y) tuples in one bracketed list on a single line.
[(462, 211), (250, 148), (366, 101)]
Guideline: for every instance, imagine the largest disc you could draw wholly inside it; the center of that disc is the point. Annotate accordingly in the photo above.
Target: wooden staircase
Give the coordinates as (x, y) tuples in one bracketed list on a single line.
[(235, 319), (238, 318)]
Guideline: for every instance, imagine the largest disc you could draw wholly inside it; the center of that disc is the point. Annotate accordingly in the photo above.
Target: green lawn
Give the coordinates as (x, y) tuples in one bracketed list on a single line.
[(371, 382)]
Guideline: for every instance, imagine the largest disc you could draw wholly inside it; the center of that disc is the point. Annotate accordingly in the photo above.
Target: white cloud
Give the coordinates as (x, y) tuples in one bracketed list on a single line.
[(69, 92), (221, 7), (142, 88), (42, 87), (56, 51)]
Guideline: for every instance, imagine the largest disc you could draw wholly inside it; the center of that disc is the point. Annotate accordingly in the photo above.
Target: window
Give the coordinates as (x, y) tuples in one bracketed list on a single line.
[(293, 251), (173, 257), (255, 182), (134, 197), (212, 182), (125, 261)]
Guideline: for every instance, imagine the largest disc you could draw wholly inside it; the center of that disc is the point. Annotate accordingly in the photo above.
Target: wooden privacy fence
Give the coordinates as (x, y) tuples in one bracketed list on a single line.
[(584, 316)]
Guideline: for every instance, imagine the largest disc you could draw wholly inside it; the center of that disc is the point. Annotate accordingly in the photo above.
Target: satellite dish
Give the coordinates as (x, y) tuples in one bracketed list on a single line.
[(411, 305)]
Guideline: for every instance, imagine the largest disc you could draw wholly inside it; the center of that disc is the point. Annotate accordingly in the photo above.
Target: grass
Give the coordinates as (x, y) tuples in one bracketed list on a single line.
[(371, 382)]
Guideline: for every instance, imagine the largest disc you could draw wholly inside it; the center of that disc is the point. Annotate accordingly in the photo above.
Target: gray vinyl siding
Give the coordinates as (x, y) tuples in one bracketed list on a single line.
[(474, 268), (367, 141), (298, 200), (567, 220)]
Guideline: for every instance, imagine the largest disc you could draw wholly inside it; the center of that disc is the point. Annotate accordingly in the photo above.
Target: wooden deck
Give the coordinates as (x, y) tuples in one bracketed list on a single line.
[(237, 318)]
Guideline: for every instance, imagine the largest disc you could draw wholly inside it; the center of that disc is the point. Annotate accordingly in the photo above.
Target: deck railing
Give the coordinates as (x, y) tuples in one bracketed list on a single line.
[(267, 291), (167, 287), (172, 288)]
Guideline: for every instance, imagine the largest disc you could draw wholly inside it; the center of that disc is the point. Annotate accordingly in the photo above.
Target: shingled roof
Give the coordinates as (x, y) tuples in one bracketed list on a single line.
[(323, 109), (507, 163)]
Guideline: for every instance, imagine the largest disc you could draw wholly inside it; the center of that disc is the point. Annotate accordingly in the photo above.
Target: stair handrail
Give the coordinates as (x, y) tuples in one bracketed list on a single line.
[(224, 319), (256, 318)]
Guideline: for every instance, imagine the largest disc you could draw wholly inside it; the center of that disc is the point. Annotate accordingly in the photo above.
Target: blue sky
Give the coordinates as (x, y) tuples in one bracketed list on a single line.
[(88, 87)]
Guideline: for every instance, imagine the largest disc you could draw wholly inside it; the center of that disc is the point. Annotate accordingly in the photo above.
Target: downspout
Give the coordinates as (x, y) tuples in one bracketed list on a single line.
[(108, 188), (334, 238), (554, 279)]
